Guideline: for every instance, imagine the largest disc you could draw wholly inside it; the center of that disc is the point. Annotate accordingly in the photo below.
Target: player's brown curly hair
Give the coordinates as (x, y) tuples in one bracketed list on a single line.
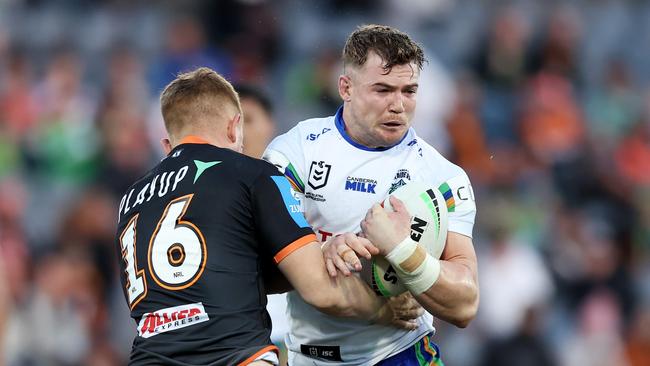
[(393, 46)]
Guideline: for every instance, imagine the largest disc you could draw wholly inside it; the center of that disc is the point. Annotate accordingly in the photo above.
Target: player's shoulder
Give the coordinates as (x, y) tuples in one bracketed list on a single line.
[(144, 178), (232, 165), (434, 159), (247, 167), (305, 131)]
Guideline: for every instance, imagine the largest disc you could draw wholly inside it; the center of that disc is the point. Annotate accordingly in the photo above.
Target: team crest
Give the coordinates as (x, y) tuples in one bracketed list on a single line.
[(319, 172), (401, 178)]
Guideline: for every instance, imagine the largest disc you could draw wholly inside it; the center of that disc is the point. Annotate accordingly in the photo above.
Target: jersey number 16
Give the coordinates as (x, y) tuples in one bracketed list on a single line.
[(176, 255)]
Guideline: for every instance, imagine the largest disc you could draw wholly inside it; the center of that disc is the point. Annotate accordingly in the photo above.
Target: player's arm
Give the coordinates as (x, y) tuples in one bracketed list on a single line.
[(454, 296), (448, 287), (286, 235), (341, 296)]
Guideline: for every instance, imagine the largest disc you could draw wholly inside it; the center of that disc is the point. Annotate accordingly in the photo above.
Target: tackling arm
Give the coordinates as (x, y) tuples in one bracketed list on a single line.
[(340, 296)]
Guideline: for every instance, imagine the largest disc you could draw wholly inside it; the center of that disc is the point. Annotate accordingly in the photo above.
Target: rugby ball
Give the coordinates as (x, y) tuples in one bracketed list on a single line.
[(428, 211)]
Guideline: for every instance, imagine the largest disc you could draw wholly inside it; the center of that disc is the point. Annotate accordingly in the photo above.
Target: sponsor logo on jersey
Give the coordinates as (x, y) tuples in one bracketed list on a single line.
[(290, 201), (401, 177), (315, 197), (177, 317), (324, 235), (360, 185), (458, 194), (414, 142), (315, 136), (465, 193), (319, 172), (202, 166), (331, 353)]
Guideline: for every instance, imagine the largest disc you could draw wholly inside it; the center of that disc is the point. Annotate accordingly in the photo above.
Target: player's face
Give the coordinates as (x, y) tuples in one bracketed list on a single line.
[(381, 105), (259, 128)]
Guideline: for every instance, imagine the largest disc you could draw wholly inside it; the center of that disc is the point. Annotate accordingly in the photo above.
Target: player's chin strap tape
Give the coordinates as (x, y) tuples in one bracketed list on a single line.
[(414, 266)]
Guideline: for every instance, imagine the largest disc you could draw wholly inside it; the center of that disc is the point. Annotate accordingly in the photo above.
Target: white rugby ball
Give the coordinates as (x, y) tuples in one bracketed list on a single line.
[(429, 220)]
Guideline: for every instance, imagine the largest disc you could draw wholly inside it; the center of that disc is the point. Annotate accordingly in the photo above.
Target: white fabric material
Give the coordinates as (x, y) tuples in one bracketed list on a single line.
[(277, 307), (341, 182), (271, 357)]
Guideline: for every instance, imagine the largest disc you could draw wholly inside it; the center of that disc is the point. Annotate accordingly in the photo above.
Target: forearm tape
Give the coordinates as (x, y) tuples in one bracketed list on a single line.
[(417, 269)]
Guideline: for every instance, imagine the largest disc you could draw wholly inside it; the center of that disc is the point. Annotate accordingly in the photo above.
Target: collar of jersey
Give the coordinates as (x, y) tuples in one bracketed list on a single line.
[(340, 125), (191, 139)]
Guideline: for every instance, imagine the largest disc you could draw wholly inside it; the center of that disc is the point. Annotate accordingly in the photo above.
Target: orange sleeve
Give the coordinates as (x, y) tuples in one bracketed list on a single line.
[(295, 245)]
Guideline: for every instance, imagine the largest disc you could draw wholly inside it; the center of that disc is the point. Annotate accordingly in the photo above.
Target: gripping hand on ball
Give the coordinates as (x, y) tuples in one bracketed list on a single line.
[(342, 253), (387, 229)]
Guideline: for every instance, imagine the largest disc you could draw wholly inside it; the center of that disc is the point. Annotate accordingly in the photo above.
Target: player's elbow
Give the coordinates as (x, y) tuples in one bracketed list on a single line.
[(466, 313), (463, 318)]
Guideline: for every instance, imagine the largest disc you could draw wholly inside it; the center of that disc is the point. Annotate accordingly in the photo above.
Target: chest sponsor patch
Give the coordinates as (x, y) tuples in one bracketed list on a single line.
[(360, 185), (177, 317)]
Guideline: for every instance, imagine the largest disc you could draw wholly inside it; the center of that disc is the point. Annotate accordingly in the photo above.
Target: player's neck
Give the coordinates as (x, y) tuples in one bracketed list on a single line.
[(199, 138), (352, 130)]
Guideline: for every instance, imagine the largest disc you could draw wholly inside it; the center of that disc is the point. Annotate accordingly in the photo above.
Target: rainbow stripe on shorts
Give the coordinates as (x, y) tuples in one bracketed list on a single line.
[(423, 353)]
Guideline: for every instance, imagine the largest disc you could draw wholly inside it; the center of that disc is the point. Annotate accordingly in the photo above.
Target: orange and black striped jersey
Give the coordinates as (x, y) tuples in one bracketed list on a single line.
[(192, 237)]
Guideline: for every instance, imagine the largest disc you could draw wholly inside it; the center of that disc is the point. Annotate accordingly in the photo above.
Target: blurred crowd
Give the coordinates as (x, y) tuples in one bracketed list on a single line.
[(546, 105)]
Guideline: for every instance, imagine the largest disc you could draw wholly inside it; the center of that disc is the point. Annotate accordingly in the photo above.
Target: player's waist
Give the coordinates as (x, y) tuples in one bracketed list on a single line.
[(366, 349), (343, 340)]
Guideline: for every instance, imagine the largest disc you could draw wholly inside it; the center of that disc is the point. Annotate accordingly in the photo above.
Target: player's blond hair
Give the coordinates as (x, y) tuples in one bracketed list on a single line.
[(393, 46), (196, 98)]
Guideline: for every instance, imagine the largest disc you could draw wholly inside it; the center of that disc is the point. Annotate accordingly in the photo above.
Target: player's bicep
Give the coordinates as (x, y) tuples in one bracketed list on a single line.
[(284, 164), (460, 249), (304, 268)]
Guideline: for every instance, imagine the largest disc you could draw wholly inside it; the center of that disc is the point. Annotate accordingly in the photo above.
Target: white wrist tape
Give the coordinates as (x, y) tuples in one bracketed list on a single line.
[(414, 266)]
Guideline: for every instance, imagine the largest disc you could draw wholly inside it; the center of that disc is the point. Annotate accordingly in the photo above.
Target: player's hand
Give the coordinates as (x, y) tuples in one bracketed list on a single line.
[(399, 312), (387, 229), (342, 253), (405, 311)]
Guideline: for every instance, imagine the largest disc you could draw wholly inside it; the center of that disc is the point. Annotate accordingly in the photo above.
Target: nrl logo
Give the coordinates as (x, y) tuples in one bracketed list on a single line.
[(319, 172)]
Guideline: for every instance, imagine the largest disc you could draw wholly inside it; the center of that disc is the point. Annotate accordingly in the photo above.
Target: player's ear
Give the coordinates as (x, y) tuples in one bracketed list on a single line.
[(166, 145), (345, 84), (234, 128)]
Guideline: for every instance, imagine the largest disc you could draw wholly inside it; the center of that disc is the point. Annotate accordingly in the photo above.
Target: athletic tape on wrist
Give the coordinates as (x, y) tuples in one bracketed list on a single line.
[(414, 266)]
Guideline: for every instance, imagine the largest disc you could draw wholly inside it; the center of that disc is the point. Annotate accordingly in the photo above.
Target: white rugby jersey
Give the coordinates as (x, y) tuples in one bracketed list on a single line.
[(338, 180)]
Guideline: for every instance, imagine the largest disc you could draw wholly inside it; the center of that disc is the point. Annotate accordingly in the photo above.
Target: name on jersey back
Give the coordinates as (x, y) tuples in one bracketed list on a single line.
[(160, 185)]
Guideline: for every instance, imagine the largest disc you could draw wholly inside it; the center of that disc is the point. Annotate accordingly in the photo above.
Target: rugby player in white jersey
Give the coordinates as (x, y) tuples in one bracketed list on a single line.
[(343, 164)]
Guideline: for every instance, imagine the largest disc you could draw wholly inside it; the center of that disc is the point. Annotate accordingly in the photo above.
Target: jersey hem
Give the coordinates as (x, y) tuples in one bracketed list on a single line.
[(258, 354), (461, 228)]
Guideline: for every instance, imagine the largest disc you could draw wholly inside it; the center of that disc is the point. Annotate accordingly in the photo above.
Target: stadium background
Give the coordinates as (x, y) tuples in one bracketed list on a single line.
[(545, 104)]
